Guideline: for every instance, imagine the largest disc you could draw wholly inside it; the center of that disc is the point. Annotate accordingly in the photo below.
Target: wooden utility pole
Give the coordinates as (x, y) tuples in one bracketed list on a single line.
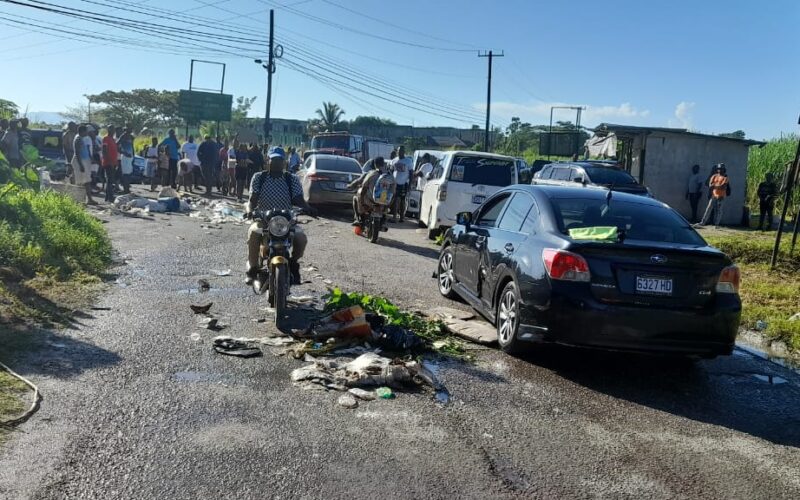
[(491, 55), (270, 71), (791, 178)]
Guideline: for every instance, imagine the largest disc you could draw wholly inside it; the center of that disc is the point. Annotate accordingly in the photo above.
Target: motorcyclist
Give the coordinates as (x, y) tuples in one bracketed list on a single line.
[(275, 189), (362, 201)]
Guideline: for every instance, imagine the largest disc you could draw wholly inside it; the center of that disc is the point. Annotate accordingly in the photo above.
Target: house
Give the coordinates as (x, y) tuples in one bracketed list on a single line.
[(662, 159)]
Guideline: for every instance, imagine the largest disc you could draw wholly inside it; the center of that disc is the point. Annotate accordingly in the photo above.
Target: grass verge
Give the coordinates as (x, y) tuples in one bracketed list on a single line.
[(12, 398), (772, 296)]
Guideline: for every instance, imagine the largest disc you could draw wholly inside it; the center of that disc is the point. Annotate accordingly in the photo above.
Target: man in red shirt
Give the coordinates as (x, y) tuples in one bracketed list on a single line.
[(110, 159)]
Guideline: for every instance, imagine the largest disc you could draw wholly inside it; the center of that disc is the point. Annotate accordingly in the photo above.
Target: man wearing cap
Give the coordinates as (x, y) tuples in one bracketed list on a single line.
[(720, 189), (275, 189)]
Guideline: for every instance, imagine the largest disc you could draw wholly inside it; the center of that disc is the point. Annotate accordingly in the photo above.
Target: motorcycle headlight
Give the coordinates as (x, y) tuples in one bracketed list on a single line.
[(279, 226)]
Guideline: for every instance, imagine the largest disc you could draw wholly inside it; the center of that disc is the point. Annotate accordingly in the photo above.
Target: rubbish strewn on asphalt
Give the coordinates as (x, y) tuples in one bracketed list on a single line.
[(225, 272), (201, 309), (211, 323), (347, 401), (384, 393), (345, 323), (363, 394), (204, 285), (236, 348), (396, 338)]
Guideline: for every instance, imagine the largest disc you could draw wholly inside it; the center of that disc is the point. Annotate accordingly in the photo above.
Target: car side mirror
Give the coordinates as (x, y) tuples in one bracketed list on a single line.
[(578, 179), (464, 218)]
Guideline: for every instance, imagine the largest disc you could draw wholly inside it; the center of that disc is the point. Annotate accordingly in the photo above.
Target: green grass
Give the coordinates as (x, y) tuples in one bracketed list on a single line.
[(12, 394), (769, 159), (768, 295)]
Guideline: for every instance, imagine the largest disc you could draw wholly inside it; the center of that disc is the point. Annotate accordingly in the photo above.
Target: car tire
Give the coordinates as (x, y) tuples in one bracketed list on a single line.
[(507, 321), (445, 274)]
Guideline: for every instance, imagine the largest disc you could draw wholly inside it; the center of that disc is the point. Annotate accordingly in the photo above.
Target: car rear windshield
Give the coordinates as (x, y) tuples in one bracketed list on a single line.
[(601, 175), (347, 165), (636, 221), (486, 171), (331, 142)]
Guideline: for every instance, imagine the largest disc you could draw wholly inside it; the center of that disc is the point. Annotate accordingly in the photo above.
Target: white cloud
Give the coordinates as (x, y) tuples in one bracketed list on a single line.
[(683, 113), (540, 112)]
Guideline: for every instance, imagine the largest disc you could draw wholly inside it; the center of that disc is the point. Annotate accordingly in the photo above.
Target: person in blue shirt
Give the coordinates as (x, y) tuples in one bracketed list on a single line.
[(173, 148)]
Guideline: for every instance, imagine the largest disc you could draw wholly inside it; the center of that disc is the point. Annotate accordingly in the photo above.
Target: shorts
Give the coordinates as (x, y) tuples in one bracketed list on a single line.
[(126, 163), (81, 177)]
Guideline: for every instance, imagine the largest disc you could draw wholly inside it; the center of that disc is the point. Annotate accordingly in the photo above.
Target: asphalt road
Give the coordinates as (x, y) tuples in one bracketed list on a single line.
[(134, 408)]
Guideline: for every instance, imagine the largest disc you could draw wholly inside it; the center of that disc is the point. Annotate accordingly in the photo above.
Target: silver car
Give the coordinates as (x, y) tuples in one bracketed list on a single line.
[(325, 179)]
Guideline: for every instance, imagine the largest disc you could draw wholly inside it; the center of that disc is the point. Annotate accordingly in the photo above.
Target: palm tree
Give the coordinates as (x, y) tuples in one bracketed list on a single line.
[(8, 109), (330, 115)]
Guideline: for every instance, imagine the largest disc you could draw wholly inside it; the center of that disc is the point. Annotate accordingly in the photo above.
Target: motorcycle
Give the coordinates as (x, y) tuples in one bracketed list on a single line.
[(273, 275), (373, 222)]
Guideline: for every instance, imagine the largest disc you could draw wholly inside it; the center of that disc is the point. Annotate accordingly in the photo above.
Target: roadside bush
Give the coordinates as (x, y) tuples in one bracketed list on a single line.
[(768, 159)]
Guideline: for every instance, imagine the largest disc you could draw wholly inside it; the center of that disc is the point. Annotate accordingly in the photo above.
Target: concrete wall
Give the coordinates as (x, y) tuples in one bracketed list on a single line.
[(668, 161)]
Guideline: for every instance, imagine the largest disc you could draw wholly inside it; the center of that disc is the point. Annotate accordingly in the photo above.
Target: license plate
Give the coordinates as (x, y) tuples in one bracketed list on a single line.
[(661, 286), (340, 185), (478, 199)]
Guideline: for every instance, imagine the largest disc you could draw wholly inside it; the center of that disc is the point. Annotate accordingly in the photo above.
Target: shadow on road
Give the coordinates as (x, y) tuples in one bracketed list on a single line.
[(429, 252), (720, 392)]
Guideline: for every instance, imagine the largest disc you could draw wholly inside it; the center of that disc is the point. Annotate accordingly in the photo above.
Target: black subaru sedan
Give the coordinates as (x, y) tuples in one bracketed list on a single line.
[(591, 267)]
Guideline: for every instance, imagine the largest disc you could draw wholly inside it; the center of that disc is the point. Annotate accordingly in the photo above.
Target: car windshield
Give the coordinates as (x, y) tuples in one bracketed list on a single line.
[(339, 165), (331, 142), (608, 176), (637, 221), (485, 171)]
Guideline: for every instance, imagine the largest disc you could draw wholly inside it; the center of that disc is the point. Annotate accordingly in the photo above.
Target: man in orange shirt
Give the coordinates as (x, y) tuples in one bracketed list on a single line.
[(720, 189)]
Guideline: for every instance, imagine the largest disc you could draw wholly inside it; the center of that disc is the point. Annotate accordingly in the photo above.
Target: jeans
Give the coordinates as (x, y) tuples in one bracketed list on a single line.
[(208, 177), (766, 210), (173, 173), (714, 205), (110, 182), (694, 201)]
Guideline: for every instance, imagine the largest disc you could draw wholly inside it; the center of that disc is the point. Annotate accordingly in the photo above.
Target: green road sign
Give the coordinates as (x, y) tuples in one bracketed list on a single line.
[(194, 106)]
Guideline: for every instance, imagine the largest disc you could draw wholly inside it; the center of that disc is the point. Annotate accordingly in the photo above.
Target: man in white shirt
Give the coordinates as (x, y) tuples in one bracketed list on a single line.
[(423, 172), (401, 168), (189, 152)]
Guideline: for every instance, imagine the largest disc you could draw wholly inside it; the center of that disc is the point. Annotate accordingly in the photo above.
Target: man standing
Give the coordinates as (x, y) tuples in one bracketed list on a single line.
[(81, 163), (151, 155), (767, 192), (423, 172), (97, 154), (241, 170), (110, 159), (294, 160), (125, 145), (401, 166), (173, 150), (694, 190), (67, 138), (256, 165), (208, 155), (189, 152), (9, 144), (720, 189), (275, 189)]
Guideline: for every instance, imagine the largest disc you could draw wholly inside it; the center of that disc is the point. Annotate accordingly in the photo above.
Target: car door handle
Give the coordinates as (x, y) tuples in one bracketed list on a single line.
[(509, 247)]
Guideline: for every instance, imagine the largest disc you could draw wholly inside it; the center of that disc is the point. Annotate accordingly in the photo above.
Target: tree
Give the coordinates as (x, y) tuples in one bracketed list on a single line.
[(138, 108), (240, 109), (371, 122), (8, 109), (330, 115), (736, 134)]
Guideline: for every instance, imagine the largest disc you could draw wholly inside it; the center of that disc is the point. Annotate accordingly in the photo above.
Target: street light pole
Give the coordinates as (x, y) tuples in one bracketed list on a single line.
[(491, 55), (270, 70)]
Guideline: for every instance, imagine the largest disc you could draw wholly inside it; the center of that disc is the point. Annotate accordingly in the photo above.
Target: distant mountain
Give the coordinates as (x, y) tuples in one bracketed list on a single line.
[(49, 117)]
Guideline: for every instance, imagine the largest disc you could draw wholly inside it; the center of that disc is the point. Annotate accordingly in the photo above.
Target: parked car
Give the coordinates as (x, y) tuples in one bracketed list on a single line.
[(325, 179), (462, 181), (49, 144), (655, 285), (590, 173)]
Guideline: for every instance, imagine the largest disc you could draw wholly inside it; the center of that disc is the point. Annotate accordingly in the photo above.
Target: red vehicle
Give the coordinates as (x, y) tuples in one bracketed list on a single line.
[(346, 144)]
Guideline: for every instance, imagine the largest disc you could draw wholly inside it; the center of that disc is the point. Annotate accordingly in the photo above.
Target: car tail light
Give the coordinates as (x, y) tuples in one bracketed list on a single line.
[(441, 194), (317, 177), (565, 266), (729, 280)]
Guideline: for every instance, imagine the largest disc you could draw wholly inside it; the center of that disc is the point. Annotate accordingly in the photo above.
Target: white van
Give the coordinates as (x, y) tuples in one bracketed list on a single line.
[(460, 182)]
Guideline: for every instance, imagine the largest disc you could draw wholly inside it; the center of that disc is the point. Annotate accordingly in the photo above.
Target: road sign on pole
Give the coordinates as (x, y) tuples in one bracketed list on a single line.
[(195, 106)]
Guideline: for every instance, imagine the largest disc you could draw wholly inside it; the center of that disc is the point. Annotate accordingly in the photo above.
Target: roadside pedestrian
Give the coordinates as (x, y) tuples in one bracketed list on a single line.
[(720, 189), (694, 190), (184, 180), (81, 163), (96, 145), (256, 161), (125, 146), (208, 154), (163, 166), (110, 159), (294, 160), (151, 155), (767, 192), (9, 144), (241, 171), (67, 139), (173, 150), (423, 172), (401, 167), (189, 151), (222, 166), (229, 184)]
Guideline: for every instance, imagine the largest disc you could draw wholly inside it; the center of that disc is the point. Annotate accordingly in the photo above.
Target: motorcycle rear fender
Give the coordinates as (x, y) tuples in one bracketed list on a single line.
[(278, 260)]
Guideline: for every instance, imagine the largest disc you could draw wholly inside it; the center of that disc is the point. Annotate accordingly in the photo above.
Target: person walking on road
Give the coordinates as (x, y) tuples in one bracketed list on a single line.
[(694, 190), (110, 159), (208, 155), (720, 189), (81, 163), (241, 170), (767, 192), (401, 166), (173, 148), (125, 146)]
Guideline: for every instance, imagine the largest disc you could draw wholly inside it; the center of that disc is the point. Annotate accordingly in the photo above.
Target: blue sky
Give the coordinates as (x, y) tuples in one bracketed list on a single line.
[(712, 65)]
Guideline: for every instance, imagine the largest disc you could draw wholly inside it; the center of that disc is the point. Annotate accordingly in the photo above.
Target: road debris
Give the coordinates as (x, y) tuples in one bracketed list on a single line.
[(231, 347), (201, 309), (203, 285), (226, 272), (347, 401), (363, 394), (195, 337), (211, 323), (384, 393)]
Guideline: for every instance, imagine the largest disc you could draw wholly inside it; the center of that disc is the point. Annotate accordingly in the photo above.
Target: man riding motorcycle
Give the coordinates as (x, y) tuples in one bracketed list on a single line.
[(362, 201), (275, 189)]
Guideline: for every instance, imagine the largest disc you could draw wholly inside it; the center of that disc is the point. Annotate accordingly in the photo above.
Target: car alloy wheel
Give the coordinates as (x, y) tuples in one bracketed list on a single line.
[(508, 319), (445, 274)]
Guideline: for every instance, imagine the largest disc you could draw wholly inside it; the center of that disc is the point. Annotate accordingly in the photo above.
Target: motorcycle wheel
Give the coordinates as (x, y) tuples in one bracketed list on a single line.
[(280, 292), (374, 230)]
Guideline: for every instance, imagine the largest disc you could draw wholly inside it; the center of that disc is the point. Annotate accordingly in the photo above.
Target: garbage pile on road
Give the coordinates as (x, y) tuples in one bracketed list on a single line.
[(217, 211)]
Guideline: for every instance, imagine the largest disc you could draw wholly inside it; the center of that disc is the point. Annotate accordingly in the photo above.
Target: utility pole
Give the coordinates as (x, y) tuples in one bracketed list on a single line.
[(270, 70), (491, 55)]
